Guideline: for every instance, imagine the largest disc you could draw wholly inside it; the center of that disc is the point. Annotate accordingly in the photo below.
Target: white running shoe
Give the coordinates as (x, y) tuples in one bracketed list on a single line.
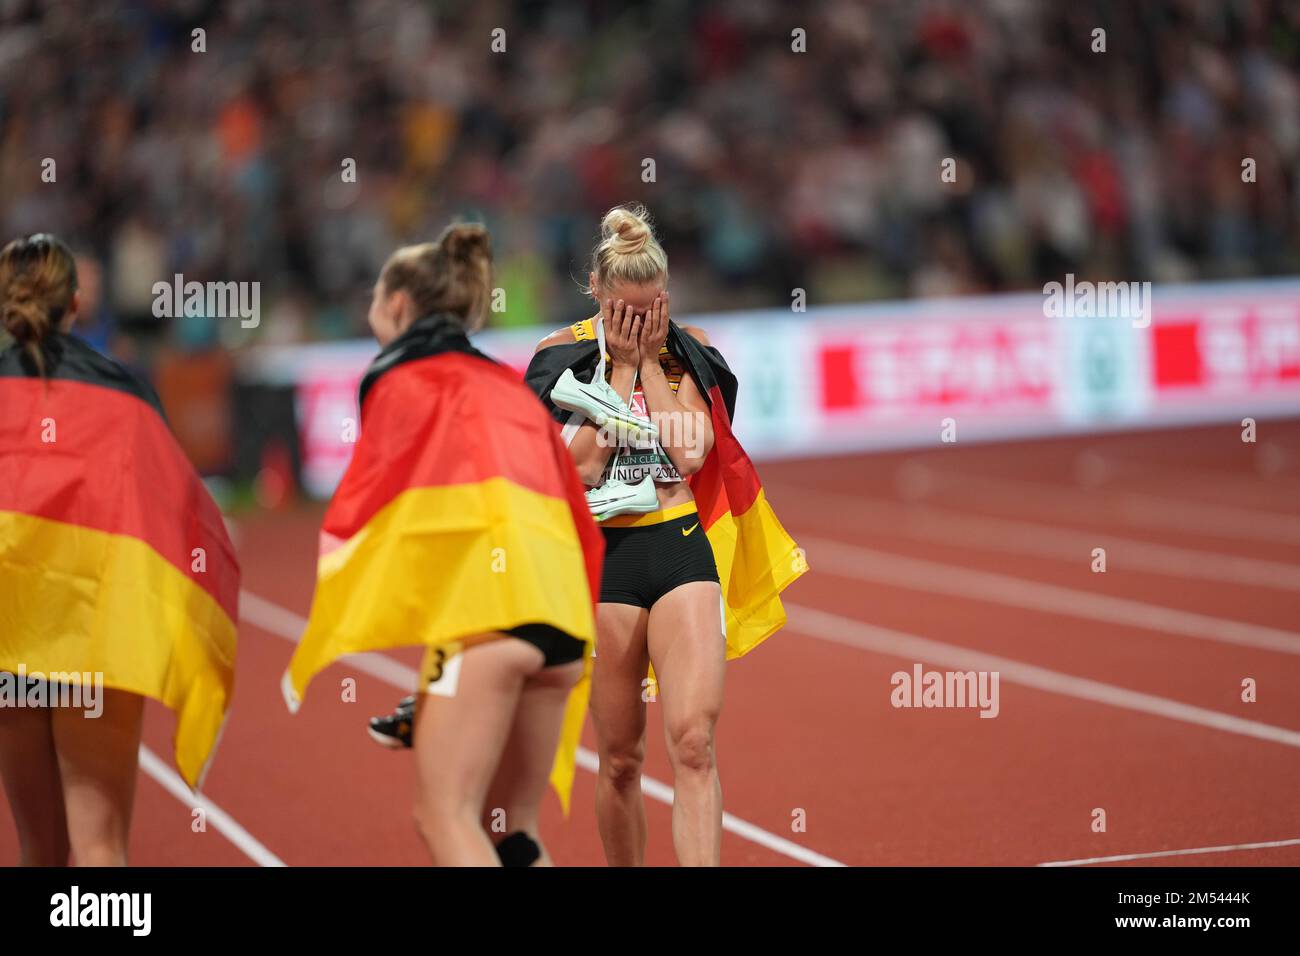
[(603, 406), (616, 497)]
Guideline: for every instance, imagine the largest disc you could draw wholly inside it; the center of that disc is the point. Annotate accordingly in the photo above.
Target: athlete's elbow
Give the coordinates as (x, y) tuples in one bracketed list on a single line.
[(690, 464), (589, 472), (696, 452)]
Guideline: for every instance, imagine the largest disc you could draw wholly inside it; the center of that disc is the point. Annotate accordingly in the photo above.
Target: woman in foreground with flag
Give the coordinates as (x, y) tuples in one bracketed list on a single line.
[(460, 526), (119, 579), (695, 557)]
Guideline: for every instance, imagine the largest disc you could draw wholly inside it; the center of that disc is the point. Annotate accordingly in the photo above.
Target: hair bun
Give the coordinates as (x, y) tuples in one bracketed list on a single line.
[(23, 311), (626, 229), (38, 282), (466, 241), (24, 320)]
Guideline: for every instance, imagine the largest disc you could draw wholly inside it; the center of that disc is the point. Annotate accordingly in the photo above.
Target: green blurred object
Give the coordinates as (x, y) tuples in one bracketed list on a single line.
[(522, 278)]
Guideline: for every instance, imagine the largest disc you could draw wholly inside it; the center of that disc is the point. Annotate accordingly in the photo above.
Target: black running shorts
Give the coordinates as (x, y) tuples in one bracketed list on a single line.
[(557, 647), (646, 556)]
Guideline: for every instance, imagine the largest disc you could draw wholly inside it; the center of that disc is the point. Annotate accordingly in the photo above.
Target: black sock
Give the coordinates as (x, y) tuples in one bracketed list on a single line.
[(518, 849)]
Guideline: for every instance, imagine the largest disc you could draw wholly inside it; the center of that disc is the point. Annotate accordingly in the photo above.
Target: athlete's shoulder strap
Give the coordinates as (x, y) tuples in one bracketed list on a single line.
[(584, 331)]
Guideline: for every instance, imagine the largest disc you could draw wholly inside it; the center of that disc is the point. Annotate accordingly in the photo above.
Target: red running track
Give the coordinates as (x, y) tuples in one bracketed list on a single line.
[(1120, 691)]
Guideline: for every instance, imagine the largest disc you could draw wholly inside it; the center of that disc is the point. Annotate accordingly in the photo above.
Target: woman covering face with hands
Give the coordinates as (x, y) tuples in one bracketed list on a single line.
[(659, 598), (644, 373)]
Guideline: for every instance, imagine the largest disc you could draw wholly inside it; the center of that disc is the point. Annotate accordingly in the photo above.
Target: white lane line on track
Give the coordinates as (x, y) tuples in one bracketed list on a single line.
[(932, 523), (282, 622), (854, 633), (1111, 471), (225, 824), (883, 567), (1194, 517), (1192, 852), (733, 824)]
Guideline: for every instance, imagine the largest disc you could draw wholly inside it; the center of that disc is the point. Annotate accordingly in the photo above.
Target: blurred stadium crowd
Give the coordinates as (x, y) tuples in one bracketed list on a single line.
[(773, 169)]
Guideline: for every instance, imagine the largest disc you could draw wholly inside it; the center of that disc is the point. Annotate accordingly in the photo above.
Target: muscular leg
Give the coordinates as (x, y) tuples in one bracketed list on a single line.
[(98, 763), (458, 745), (29, 768), (525, 768), (689, 655), (618, 715)]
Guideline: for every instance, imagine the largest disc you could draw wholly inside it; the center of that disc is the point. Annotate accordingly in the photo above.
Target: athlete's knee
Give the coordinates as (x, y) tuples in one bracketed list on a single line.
[(622, 766), (98, 836), (690, 745), (100, 851), (434, 814), (426, 821)]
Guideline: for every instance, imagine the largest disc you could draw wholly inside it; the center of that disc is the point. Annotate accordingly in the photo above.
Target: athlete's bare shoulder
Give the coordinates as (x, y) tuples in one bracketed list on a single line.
[(567, 335), (558, 337), (697, 333)]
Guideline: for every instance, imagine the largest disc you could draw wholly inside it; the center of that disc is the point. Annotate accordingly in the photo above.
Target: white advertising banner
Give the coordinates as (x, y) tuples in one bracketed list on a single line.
[(852, 378)]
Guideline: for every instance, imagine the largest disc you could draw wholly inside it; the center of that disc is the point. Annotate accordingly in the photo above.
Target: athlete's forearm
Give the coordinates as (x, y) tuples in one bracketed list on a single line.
[(589, 456), (685, 433)]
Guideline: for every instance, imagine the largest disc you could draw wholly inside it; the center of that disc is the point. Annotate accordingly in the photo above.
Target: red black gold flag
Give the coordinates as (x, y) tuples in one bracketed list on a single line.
[(460, 514), (114, 558), (756, 558)]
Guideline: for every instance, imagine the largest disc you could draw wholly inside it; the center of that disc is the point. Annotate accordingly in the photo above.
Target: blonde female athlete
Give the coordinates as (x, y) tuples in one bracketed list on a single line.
[(659, 596), (460, 525)]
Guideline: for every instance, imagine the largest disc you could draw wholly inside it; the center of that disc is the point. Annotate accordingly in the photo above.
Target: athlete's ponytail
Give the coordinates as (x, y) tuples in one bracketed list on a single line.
[(452, 275), (38, 278)]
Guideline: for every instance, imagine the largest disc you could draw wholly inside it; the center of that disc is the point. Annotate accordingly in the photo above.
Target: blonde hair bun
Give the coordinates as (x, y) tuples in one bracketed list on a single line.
[(626, 230), (628, 251)]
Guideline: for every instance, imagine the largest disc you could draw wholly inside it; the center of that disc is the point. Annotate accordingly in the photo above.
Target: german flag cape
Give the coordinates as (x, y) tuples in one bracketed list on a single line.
[(461, 513), (113, 556), (756, 559)]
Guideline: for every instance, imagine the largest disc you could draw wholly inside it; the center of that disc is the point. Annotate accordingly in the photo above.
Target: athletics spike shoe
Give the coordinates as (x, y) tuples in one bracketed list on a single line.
[(394, 731), (603, 406), (618, 498)]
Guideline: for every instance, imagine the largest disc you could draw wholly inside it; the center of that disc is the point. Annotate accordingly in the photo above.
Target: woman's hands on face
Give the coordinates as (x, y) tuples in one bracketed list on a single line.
[(622, 332), (654, 330)]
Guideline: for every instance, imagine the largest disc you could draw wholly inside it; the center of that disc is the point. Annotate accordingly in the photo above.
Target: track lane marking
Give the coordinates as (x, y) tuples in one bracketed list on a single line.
[(920, 480), (917, 574), (854, 633), (1123, 857), (223, 822), (1108, 469), (283, 623), (932, 523)]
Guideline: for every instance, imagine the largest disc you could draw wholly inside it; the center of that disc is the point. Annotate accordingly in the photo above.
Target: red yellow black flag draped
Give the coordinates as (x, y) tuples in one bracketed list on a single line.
[(460, 514), (114, 557), (756, 558)]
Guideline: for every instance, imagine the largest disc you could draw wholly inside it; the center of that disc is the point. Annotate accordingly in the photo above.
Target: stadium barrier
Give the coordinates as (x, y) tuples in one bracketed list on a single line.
[(844, 379)]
